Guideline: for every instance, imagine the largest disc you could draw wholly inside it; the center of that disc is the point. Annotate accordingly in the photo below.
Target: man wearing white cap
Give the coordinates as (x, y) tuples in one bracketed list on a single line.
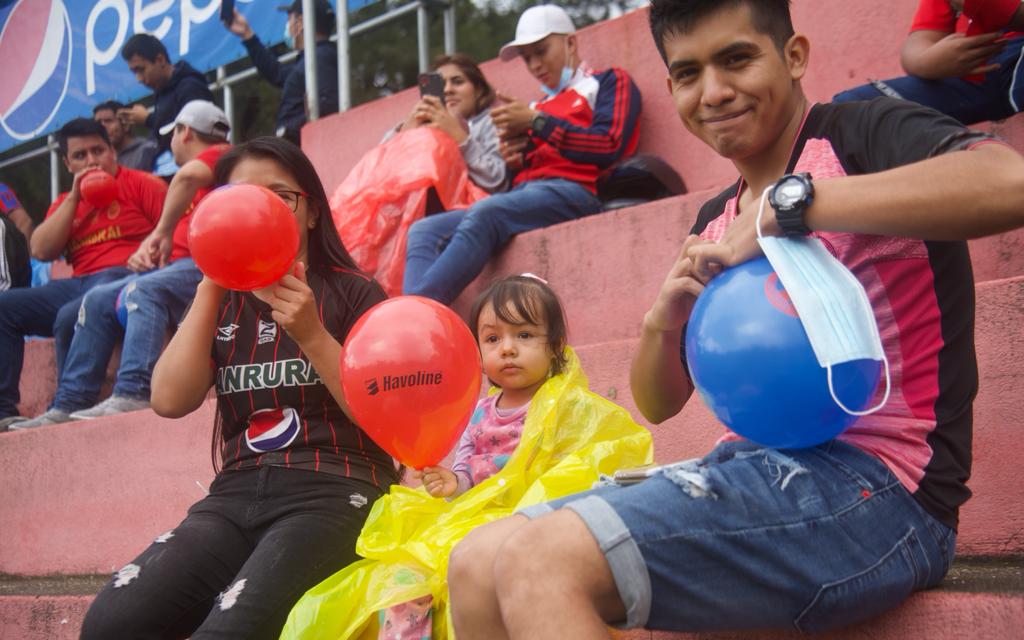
[(154, 301), (558, 146)]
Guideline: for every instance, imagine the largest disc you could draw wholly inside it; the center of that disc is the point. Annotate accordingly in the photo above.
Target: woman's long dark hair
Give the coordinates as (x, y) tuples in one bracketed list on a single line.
[(324, 250), (486, 95)]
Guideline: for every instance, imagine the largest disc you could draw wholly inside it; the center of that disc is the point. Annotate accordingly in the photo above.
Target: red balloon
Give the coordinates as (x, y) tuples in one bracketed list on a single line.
[(243, 237), (410, 371), (98, 188)]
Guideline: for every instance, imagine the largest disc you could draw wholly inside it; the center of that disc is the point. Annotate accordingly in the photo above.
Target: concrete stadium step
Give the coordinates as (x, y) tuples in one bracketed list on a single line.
[(114, 483), (980, 598), (957, 609), (39, 376)]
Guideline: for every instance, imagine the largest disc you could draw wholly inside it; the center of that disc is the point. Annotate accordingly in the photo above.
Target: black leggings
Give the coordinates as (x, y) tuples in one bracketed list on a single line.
[(240, 560)]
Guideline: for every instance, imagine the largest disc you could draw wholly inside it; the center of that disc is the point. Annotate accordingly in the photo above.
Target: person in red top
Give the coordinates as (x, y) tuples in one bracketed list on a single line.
[(96, 241), (964, 60), (154, 298), (558, 146)]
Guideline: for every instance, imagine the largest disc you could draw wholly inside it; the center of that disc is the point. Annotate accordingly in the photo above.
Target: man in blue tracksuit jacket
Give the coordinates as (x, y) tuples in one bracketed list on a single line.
[(291, 78)]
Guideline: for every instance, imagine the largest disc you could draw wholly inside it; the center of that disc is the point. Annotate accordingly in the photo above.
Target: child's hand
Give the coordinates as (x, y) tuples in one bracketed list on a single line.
[(438, 481)]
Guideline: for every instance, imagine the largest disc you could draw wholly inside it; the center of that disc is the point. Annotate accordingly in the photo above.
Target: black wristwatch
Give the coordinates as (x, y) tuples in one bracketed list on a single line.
[(790, 197), (538, 123)]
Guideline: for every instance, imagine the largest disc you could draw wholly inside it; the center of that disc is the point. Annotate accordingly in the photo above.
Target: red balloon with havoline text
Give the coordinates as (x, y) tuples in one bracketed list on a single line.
[(410, 371)]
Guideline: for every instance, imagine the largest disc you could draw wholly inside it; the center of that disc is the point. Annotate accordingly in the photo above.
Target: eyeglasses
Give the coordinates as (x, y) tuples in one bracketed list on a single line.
[(290, 197)]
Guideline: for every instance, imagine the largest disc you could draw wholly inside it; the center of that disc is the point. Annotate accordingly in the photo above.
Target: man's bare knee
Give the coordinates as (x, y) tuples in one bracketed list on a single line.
[(472, 559), (555, 554)]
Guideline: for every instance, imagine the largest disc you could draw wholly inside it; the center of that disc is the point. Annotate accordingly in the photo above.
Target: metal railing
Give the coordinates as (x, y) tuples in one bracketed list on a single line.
[(342, 36)]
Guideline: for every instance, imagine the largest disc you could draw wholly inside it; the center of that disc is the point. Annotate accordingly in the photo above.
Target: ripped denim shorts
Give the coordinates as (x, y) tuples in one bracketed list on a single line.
[(755, 538)]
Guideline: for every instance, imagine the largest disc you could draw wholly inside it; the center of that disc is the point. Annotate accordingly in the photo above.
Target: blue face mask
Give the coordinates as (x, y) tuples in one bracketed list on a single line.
[(832, 304), (288, 39), (563, 82)]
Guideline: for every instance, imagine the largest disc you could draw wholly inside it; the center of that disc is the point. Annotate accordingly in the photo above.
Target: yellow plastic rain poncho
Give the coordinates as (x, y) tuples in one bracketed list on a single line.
[(570, 437)]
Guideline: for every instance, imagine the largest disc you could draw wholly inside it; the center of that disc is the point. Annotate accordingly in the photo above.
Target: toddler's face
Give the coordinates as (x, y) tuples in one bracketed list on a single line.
[(515, 356)]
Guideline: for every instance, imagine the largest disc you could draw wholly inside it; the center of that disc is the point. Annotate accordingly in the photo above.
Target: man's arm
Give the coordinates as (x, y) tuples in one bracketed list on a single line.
[(934, 55), (266, 62), (954, 196), (156, 248), (22, 221), (660, 385), (616, 116), (51, 237)]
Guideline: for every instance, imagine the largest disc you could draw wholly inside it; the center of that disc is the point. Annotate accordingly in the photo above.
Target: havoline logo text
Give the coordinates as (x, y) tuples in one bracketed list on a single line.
[(390, 383)]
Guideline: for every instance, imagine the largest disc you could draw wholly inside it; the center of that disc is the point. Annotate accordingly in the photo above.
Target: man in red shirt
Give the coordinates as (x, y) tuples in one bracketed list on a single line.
[(964, 60), (154, 298), (96, 241)]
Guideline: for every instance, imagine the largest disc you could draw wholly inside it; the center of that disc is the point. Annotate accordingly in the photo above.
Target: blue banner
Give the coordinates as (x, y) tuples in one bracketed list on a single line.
[(62, 57)]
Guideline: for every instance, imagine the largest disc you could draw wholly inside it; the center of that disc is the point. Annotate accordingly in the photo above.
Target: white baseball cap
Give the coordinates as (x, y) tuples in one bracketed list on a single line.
[(534, 25), (203, 116)]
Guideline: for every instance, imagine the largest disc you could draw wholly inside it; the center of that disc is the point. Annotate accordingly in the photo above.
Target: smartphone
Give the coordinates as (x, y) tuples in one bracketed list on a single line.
[(227, 11), (432, 84), (635, 475)]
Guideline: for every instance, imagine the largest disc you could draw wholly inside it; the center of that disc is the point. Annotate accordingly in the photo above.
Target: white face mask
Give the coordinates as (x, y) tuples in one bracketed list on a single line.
[(565, 78), (832, 304), (289, 40)]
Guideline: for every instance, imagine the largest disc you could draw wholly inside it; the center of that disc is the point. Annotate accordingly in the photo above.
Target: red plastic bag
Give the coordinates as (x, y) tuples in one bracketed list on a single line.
[(386, 192)]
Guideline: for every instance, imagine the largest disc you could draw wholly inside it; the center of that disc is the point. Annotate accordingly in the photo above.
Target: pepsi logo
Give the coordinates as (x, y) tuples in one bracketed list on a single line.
[(272, 429), (35, 47), (777, 295)]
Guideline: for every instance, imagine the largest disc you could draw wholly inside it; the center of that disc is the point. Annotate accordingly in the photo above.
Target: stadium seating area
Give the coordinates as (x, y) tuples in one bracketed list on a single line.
[(80, 499)]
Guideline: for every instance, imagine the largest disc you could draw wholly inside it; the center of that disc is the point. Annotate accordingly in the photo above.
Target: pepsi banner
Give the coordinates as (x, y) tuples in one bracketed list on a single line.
[(62, 57)]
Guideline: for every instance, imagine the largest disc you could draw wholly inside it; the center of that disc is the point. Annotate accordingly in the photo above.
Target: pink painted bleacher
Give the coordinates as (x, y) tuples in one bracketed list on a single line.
[(85, 497)]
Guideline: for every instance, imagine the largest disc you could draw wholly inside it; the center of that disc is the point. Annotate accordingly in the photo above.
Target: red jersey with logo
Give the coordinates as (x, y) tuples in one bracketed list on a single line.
[(922, 294), (978, 16), (209, 157), (592, 123), (107, 237), (274, 408)]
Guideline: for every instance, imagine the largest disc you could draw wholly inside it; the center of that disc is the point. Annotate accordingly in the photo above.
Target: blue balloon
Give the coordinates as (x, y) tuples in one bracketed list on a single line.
[(119, 306), (753, 365)]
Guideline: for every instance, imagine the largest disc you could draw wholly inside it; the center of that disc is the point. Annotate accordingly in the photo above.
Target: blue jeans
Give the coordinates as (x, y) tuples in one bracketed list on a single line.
[(155, 302), (49, 310), (749, 537), (445, 252), (998, 96)]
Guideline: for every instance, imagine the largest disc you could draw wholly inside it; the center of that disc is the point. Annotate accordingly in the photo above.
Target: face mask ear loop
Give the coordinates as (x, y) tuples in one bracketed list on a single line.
[(885, 398), (760, 212)]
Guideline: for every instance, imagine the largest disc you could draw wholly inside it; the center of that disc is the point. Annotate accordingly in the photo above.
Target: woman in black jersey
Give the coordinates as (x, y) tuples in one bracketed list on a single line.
[(296, 476)]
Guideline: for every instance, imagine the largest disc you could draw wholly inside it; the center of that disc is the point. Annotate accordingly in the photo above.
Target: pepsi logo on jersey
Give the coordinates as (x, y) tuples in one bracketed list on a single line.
[(272, 429)]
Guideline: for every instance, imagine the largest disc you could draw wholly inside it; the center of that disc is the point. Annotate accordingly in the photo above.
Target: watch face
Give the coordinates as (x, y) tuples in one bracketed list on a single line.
[(790, 192)]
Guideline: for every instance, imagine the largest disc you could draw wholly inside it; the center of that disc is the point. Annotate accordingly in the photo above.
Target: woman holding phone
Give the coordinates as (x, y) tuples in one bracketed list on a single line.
[(456, 98), (443, 156)]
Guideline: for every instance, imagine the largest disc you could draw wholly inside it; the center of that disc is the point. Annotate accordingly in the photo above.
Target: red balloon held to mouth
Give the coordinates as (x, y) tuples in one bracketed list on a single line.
[(98, 188), (243, 237), (410, 371)]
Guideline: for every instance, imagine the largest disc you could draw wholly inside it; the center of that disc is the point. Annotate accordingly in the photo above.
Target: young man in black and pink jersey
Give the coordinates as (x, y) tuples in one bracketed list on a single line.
[(963, 58), (752, 537), (557, 147), (96, 241)]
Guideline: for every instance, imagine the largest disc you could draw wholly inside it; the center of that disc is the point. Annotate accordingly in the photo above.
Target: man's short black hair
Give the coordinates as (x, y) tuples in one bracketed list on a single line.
[(80, 128), (109, 105), (670, 17), (145, 46)]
